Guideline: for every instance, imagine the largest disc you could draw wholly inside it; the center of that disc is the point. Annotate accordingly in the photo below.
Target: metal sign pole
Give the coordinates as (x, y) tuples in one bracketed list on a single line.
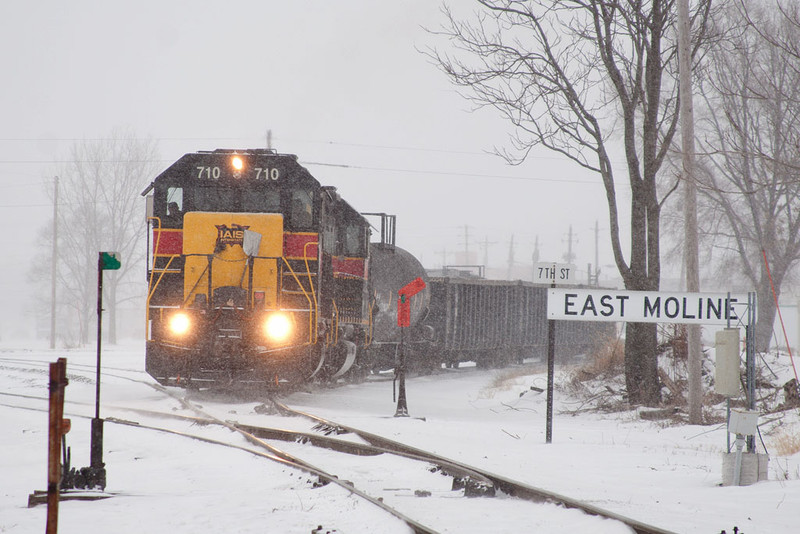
[(96, 449), (551, 361), (105, 261), (750, 362)]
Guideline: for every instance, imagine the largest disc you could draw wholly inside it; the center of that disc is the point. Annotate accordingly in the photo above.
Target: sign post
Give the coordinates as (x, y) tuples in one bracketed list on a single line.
[(552, 273), (404, 321), (105, 261)]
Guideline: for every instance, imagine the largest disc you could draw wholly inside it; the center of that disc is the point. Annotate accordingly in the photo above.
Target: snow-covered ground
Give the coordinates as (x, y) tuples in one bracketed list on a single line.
[(663, 474)]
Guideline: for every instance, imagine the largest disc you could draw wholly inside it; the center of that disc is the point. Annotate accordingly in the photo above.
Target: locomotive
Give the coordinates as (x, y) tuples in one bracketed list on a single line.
[(257, 273)]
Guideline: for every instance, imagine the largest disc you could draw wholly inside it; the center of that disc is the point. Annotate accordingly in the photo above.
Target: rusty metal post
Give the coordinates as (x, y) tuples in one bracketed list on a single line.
[(57, 428)]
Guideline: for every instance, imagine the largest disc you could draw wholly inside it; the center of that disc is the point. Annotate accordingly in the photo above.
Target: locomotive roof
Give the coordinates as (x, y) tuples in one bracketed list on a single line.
[(185, 168)]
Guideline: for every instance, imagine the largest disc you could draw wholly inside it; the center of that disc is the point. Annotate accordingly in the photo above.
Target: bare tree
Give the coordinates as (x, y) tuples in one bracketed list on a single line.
[(752, 141), (100, 209), (572, 76)]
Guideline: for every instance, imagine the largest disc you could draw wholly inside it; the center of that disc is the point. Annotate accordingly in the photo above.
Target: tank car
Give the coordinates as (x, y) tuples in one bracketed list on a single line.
[(391, 268), (256, 272)]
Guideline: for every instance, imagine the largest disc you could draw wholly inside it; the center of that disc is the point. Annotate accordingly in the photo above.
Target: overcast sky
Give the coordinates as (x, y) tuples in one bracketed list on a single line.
[(338, 83)]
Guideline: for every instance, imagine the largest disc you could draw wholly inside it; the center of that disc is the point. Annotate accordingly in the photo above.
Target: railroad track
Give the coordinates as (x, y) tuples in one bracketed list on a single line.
[(446, 481), (327, 435), (498, 482), (256, 445)]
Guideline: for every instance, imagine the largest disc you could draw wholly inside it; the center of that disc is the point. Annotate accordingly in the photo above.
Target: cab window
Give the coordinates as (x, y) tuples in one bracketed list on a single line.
[(301, 211), (174, 214), (354, 240), (261, 201)]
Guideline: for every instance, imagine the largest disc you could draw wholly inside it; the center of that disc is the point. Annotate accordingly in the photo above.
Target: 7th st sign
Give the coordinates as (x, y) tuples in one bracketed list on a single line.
[(646, 306)]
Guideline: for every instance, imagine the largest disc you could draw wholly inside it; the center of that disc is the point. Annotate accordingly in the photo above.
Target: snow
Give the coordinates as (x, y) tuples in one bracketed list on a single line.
[(664, 474)]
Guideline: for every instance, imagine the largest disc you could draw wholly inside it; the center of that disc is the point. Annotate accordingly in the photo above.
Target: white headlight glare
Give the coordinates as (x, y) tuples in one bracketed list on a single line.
[(179, 323), (278, 327)]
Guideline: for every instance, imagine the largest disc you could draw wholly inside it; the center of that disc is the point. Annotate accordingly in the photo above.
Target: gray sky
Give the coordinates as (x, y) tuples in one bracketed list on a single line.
[(339, 83)]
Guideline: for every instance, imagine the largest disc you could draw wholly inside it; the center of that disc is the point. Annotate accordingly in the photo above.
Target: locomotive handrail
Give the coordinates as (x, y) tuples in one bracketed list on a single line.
[(308, 269), (152, 288), (368, 332), (312, 308), (155, 252), (335, 325)]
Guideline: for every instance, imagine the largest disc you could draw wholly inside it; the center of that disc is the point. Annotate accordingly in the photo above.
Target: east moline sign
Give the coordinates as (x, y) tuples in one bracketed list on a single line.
[(646, 306)]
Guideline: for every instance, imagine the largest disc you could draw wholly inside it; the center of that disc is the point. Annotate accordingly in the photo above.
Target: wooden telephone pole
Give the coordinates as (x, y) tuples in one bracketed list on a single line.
[(690, 209)]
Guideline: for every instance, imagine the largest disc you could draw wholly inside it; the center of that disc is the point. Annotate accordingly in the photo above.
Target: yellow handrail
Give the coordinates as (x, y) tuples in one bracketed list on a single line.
[(151, 289), (335, 325), (312, 305), (308, 269)]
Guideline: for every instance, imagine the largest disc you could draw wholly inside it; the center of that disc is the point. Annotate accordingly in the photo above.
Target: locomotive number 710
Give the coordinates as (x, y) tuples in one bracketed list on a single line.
[(208, 173), (267, 174)]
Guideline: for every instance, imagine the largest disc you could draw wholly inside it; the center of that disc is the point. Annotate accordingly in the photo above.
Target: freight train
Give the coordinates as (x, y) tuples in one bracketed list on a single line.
[(257, 273)]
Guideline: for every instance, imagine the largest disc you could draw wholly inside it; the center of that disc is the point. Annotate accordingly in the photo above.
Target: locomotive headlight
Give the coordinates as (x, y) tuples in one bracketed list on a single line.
[(278, 327), (237, 162), (179, 323)]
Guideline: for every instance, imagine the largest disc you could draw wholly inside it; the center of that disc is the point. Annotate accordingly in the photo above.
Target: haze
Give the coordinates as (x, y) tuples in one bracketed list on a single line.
[(341, 84)]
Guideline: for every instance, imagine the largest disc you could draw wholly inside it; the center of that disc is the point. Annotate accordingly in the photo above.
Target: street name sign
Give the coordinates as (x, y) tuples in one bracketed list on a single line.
[(555, 273), (647, 306)]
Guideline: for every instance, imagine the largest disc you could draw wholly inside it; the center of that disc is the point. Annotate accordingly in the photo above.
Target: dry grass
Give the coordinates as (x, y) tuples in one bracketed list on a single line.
[(507, 378), (607, 360), (786, 444)]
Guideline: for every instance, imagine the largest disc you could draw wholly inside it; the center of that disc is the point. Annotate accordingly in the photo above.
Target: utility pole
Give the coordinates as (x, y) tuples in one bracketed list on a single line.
[(53, 272), (690, 209), (486, 244), (569, 257), (467, 259)]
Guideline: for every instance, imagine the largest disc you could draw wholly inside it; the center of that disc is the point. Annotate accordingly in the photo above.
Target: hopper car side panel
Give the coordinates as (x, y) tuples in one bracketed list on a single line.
[(493, 322)]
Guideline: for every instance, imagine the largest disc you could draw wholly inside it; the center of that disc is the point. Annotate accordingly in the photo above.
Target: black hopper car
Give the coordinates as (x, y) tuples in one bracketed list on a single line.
[(258, 273)]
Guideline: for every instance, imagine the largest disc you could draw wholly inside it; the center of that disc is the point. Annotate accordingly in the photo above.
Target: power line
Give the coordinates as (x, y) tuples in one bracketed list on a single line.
[(448, 173)]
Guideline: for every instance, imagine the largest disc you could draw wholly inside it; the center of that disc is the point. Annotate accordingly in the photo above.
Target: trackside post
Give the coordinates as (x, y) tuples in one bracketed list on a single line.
[(57, 428), (403, 321), (105, 261)]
